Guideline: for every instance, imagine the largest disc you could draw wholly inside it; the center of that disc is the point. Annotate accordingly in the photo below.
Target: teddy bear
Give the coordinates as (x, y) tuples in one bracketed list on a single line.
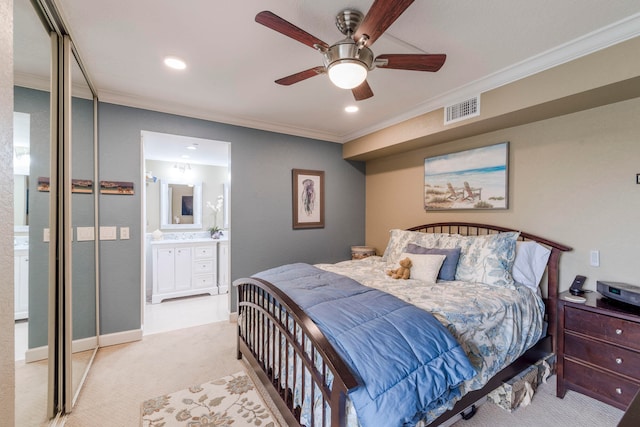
[(402, 272)]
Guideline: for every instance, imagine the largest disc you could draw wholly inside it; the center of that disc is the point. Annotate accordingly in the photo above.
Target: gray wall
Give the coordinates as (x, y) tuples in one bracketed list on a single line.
[(83, 215), (36, 103), (261, 204)]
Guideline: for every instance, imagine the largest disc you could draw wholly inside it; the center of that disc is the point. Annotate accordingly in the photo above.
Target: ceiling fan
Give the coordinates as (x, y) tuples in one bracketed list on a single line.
[(348, 61)]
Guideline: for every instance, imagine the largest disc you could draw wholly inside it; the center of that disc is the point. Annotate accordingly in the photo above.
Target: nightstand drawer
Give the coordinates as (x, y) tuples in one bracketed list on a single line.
[(617, 331), (608, 387), (616, 359)]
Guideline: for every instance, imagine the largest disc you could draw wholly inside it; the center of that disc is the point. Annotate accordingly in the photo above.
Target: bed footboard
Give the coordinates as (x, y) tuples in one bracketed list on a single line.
[(292, 357)]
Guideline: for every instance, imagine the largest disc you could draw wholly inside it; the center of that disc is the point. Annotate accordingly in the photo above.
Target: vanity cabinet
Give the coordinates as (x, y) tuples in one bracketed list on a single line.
[(21, 284), (183, 268)]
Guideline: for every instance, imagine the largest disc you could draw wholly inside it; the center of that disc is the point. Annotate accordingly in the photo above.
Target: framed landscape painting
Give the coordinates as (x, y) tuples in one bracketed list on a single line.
[(470, 179)]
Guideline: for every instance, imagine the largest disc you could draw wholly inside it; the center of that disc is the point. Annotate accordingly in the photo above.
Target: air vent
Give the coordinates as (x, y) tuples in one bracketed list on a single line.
[(462, 110)]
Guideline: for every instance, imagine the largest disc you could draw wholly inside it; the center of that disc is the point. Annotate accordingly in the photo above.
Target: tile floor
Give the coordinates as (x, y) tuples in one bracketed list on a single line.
[(169, 315), (181, 313)]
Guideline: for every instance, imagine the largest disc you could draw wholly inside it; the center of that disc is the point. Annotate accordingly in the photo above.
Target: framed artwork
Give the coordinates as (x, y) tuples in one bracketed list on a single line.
[(470, 179), (43, 183), (308, 198), (77, 185), (187, 205), (117, 187), (82, 186)]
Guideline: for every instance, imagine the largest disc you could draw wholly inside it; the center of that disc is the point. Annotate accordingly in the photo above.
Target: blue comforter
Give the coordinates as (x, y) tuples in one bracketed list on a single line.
[(405, 360)]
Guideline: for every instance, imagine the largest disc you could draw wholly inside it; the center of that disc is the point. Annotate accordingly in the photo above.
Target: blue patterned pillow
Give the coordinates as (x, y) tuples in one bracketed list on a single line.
[(484, 259), (450, 264), (399, 239)]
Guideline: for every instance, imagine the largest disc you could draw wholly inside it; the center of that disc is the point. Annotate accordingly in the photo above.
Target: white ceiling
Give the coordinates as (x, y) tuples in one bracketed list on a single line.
[(184, 149), (232, 61)]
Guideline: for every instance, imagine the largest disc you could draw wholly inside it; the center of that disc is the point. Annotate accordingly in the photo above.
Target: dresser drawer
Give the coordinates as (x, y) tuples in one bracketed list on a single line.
[(617, 331), (203, 281), (203, 252), (204, 266), (607, 387), (619, 360)]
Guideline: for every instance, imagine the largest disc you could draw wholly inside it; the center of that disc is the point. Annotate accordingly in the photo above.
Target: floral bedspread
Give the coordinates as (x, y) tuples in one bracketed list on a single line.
[(493, 324)]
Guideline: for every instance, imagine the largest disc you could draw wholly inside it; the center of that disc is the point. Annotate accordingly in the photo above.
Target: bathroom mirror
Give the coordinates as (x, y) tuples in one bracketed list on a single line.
[(180, 205)]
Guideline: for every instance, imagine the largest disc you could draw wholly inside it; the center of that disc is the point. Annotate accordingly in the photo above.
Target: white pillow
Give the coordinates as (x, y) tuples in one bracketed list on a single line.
[(424, 267), (531, 261)]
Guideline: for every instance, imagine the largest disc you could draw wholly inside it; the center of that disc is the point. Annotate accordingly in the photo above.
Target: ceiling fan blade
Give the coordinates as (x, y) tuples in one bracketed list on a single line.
[(273, 21), (419, 62), (381, 15), (362, 92), (302, 75)]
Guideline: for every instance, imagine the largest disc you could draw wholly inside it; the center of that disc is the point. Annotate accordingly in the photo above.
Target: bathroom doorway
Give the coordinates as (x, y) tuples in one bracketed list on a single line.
[(187, 230)]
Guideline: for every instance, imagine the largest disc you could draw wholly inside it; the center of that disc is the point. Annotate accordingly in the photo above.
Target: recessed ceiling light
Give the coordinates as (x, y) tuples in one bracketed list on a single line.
[(175, 63), (192, 147), (351, 109)]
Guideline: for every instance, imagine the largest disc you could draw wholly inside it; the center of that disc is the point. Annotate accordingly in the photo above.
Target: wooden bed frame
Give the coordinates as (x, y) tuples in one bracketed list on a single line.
[(270, 323)]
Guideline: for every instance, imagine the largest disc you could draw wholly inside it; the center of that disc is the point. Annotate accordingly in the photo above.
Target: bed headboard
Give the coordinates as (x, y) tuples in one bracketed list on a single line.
[(553, 264)]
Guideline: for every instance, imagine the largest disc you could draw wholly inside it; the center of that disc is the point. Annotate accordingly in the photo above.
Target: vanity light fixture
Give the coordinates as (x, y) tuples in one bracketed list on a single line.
[(175, 63), (182, 167)]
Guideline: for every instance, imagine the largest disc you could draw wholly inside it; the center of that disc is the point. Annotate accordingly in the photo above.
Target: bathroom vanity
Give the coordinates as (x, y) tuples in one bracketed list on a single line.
[(183, 268)]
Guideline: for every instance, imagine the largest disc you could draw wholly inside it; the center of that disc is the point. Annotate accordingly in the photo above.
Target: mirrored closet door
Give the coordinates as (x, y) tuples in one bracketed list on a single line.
[(56, 251), (32, 195), (83, 224)]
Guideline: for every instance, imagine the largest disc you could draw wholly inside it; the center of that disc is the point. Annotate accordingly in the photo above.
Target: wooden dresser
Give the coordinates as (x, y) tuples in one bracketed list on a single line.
[(599, 349)]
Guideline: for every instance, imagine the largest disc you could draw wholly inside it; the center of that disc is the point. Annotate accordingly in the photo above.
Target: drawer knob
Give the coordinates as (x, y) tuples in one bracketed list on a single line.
[(619, 390), (619, 360), (618, 331)]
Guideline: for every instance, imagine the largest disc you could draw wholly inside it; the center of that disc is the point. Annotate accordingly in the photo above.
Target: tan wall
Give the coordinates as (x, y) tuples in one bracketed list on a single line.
[(572, 179)]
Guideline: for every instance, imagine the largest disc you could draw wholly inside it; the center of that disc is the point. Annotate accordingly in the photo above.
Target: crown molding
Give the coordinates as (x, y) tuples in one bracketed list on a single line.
[(198, 113)]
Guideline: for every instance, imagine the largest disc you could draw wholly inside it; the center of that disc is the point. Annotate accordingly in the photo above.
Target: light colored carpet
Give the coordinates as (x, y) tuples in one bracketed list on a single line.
[(123, 376), (31, 388), (575, 410), (229, 400)]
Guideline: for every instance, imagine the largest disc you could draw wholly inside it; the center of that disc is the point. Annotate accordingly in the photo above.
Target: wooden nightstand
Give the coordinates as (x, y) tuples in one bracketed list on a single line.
[(599, 349)]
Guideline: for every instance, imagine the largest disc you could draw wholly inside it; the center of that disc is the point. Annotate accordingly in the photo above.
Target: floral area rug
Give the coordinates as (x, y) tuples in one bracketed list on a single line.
[(230, 401)]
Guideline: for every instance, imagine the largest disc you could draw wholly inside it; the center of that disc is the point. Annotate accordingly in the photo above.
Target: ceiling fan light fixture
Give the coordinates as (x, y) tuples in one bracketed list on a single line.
[(347, 73), (175, 63)]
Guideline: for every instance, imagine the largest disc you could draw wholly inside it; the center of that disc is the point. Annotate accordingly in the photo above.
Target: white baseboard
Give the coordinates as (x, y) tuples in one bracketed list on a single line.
[(120, 337), (42, 353)]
